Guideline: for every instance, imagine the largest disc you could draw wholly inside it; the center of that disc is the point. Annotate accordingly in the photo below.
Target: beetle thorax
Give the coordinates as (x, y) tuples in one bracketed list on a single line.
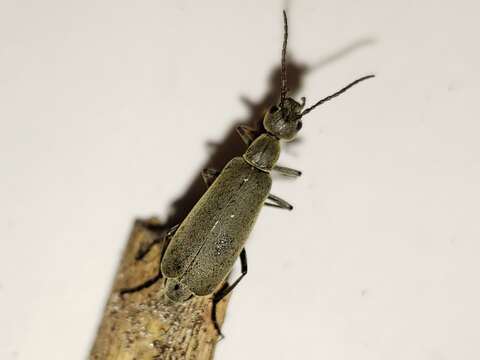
[(263, 153)]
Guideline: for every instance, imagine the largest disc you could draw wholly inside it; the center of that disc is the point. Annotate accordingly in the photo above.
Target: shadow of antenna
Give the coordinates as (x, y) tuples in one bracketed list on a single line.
[(343, 52)]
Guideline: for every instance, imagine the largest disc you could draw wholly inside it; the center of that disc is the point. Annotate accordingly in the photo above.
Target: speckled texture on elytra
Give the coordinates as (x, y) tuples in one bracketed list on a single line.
[(209, 240)]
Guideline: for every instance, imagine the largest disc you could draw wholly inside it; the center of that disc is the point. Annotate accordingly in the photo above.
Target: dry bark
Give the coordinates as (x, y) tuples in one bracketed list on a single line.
[(146, 325)]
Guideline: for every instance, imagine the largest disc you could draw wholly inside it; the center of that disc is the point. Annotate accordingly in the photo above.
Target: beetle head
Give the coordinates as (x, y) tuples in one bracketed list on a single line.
[(284, 122)]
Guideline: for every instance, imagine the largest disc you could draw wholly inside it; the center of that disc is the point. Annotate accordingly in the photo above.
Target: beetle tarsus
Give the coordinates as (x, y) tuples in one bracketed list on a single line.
[(287, 171), (215, 321), (247, 133), (278, 202)]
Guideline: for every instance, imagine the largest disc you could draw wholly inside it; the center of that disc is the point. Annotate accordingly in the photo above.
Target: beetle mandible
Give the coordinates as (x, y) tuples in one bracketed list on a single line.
[(202, 249)]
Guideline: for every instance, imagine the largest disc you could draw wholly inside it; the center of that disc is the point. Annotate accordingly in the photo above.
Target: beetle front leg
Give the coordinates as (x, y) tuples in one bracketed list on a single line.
[(247, 133), (226, 289), (278, 202)]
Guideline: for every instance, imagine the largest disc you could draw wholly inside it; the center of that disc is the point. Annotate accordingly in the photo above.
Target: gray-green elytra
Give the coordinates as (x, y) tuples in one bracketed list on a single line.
[(202, 249)]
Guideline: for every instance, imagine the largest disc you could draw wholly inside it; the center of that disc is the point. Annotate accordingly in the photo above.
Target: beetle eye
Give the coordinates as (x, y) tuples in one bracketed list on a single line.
[(299, 125)]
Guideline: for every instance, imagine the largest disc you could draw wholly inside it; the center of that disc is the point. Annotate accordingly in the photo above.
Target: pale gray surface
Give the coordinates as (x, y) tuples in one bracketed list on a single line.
[(106, 109)]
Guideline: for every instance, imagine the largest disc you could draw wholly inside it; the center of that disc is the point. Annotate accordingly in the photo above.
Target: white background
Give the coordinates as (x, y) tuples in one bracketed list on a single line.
[(108, 113)]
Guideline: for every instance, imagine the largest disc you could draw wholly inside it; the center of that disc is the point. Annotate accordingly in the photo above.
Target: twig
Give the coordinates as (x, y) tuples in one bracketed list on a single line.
[(146, 325)]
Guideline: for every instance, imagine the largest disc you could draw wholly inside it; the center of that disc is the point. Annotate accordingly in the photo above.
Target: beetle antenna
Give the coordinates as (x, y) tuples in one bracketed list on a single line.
[(330, 97), (283, 75)]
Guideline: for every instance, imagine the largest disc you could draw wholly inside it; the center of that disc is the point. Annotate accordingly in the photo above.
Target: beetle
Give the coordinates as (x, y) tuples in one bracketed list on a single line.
[(202, 249)]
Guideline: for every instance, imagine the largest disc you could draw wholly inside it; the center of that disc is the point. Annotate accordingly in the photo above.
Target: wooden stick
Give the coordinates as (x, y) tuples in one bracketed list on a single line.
[(146, 325)]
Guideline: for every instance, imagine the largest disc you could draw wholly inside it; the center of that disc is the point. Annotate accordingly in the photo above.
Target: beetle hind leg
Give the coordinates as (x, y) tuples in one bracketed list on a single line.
[(226, 289)]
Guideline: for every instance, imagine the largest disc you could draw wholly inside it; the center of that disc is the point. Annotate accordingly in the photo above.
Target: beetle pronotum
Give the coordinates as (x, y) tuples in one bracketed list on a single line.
[(202, 249)]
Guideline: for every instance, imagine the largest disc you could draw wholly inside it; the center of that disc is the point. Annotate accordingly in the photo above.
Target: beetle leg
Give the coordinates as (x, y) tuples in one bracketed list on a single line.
[(140, 287), (278, 202), (209, 175), (144, 250), (226, 289), (246, 133), (287, 171), (139, 256), (213, 315)]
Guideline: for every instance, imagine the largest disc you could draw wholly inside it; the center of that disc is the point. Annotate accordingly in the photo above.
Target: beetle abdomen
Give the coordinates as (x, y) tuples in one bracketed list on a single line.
[(207, 243)]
